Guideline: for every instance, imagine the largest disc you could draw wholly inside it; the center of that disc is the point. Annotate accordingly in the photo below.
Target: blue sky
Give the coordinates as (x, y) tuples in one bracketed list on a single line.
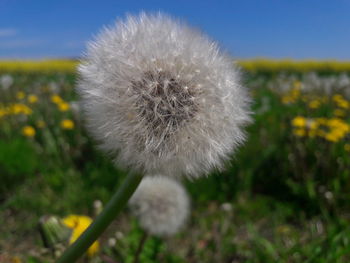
[(300, 29)]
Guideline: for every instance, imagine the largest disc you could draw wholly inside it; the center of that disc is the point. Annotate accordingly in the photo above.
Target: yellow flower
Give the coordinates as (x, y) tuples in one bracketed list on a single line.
[(20, 95), (45, 89), (314, 104), (339, 113), (19, 108), (33, 99), (340, 101), (333, 137), (321, 121), (3, 112), (338, 129), (40, 124), (297, 84), (299, 121), (343, 104), (312, 133), (56, 99), (67, 124), (63, 106), (324, 99), (16, 259), (337, 97), (287, 99), (338, 124), (283, 229), (28, 131), (347, 147), (321, 133), (299, 132), (78, 224), (312, 124), (295, 92)]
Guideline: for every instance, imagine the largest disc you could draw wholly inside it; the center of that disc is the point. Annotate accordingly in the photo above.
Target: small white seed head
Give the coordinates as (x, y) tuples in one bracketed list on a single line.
[(161, 204)]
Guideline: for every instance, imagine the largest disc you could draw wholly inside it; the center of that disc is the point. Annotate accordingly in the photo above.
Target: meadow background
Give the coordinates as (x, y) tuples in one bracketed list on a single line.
[(284, 197)]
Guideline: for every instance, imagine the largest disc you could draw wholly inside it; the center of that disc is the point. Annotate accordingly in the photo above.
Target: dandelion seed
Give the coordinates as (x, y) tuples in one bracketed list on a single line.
[(161, 205), (162, 98)]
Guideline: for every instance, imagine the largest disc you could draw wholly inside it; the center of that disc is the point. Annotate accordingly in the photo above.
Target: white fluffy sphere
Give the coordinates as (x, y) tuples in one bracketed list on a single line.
[(161, 204), (162, 98)]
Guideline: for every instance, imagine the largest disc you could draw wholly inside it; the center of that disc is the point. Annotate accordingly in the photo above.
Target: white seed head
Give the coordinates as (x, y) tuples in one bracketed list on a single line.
[(162, 98), (161, 204), (6, 81)]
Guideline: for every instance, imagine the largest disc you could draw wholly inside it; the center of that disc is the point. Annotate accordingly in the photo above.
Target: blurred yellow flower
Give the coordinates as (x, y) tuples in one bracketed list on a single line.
[(78, 224), (343, 104), (297, 84), (324, 99), (20, 95), (299, 132), (337, 97), (32, 98), (340, 101), (312, 124), (299, 121), (283, 229), (321, 133), (287, 99), (19, 108), (28, 131), (332, 137), (321, 121), (338, 129), (312, 133), (67, 124), (292, 95), (338, 124), (40, 124), (63, 106), (347, 147), (314, 104), (56, 99), (16, 259), (339, 113), (3, 112), (295, 92)]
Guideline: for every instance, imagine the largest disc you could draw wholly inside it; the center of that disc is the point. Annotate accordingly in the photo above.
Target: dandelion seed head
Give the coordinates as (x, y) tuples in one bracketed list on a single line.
[(161, 97), (6, 81), (161, 204)]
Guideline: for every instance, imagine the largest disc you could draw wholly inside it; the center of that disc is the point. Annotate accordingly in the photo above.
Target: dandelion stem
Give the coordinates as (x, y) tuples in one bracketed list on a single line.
[(140, 247), (103, 220)]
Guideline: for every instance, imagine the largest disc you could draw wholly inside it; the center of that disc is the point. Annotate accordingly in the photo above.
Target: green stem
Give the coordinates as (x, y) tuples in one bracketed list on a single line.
[(140, 247), (103, 220)]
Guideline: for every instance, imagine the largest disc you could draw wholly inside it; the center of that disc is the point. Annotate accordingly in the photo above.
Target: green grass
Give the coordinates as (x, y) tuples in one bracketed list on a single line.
[(288, 195)]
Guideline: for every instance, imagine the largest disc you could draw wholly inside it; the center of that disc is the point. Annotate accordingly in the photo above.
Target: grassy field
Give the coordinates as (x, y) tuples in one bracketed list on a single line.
[(283, 198)]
